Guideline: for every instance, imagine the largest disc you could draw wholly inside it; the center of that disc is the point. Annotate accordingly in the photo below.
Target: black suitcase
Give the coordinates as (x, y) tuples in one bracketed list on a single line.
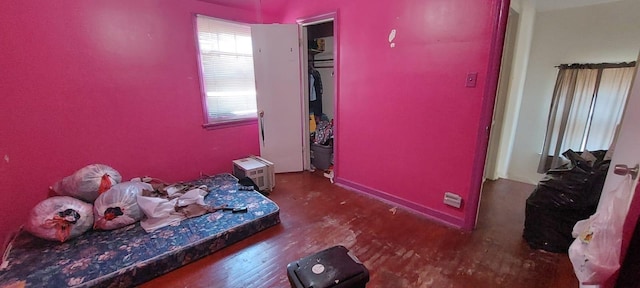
[(334, 267)]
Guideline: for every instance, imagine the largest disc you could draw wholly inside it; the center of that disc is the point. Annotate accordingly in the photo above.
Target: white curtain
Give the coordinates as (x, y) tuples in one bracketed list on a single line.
[(587, 105), (609, 104), (579, 110)]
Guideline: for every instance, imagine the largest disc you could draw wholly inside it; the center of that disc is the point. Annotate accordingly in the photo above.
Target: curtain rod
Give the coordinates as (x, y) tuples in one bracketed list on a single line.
[(596, 66)]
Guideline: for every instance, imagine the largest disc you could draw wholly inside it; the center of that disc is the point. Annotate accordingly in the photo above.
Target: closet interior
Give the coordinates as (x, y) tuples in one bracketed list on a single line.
[(321, 94)]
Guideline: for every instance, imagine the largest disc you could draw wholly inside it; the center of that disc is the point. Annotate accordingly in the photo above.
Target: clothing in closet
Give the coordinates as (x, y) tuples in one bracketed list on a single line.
[(315, 92)]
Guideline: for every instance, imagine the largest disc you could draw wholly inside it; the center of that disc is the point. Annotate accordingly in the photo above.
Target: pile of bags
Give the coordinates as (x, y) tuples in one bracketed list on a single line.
[(563, 197), (95, 197), (92, 197)]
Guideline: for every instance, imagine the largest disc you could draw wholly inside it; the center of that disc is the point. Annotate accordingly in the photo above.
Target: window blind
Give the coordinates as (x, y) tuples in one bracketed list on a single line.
[(226, 59)]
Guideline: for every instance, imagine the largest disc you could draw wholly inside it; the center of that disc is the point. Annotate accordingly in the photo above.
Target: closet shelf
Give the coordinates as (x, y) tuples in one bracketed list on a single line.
[(315, 51)]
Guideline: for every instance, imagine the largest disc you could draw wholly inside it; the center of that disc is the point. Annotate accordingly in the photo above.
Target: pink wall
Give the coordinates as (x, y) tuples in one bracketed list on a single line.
[(407, 127), (112, 82), (116, 82)]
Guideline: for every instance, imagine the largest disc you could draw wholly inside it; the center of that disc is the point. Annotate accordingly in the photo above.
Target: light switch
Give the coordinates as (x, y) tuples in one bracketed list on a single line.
[(472, 77)]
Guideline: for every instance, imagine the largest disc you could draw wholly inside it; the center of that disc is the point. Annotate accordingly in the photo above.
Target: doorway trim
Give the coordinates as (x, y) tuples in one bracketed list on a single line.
[(502, 97), (489, 95), (303, 24)]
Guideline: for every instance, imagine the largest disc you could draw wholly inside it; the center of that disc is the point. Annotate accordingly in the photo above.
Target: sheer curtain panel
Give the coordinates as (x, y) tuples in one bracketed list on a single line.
[(587, 105)]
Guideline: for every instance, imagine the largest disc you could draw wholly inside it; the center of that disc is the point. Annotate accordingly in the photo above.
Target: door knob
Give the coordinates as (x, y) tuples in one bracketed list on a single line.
[(622, 169)]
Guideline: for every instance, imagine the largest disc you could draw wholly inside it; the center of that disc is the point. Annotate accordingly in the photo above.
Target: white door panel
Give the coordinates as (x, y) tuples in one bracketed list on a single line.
[(627, 147), (276, 61), (627, 151)]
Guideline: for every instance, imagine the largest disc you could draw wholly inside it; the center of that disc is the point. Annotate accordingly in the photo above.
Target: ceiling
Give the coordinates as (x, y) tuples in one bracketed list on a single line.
[(546, 5), (274, 6), (242, 4), (541, 5)]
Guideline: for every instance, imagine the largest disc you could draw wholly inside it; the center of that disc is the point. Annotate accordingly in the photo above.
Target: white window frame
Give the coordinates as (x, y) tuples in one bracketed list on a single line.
[(235, 83)]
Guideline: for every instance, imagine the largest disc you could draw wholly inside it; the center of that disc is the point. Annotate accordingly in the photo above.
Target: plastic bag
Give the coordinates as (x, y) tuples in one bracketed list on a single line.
[(87, 183), (595, 253), (118, 206), (577, 185), (161, 212), (566, 195), (324, 132), (60, 218)]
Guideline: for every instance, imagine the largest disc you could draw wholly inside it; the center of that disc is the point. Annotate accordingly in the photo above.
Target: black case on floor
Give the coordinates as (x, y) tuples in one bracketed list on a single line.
[(334, 267)]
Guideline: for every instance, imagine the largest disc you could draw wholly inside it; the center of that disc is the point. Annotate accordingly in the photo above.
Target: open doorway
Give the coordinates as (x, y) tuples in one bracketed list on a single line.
[(501, 96), (319, 63), (541, 71)]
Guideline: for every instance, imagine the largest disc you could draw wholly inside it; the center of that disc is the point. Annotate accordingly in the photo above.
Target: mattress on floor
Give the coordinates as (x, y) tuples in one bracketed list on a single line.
[(130, 256)]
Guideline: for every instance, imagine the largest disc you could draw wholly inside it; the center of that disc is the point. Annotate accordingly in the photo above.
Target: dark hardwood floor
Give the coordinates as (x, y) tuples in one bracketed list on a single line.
[(400, 248)]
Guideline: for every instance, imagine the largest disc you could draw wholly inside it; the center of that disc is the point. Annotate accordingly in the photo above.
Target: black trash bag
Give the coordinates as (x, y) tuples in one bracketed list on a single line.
[(550, 229), (600, 168), (247, 182), (576, 185), (565, 196)]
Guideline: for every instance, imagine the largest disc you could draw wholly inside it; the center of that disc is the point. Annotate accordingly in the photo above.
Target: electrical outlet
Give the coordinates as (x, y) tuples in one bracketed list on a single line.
[(452, 199)]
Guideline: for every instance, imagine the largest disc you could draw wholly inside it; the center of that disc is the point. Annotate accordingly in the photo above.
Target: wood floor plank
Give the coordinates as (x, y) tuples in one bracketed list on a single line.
[(399, 247)]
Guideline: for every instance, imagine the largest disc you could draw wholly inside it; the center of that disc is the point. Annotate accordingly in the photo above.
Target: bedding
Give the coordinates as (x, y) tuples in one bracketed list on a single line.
[(129, 256)]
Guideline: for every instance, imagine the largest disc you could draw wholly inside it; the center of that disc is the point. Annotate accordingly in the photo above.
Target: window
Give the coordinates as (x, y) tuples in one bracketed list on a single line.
[(586, 108), (226, 62)]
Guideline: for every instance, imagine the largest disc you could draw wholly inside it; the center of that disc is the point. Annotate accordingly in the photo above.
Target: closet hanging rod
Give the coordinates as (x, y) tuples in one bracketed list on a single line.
[(321, 60)]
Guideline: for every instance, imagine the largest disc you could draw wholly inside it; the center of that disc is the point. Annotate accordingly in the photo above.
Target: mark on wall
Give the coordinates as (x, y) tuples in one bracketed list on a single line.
[(6, 158), (392, 35)]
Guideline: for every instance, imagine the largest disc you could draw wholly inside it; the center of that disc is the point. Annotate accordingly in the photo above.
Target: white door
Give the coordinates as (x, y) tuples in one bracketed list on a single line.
[(627, 147), (276, 59), (627, 150)]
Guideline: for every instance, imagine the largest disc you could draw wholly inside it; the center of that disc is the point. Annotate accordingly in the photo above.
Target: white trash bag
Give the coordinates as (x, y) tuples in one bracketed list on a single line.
[(87, 183), (595, 253), (60, 218), (118, 207), (161, 212)]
